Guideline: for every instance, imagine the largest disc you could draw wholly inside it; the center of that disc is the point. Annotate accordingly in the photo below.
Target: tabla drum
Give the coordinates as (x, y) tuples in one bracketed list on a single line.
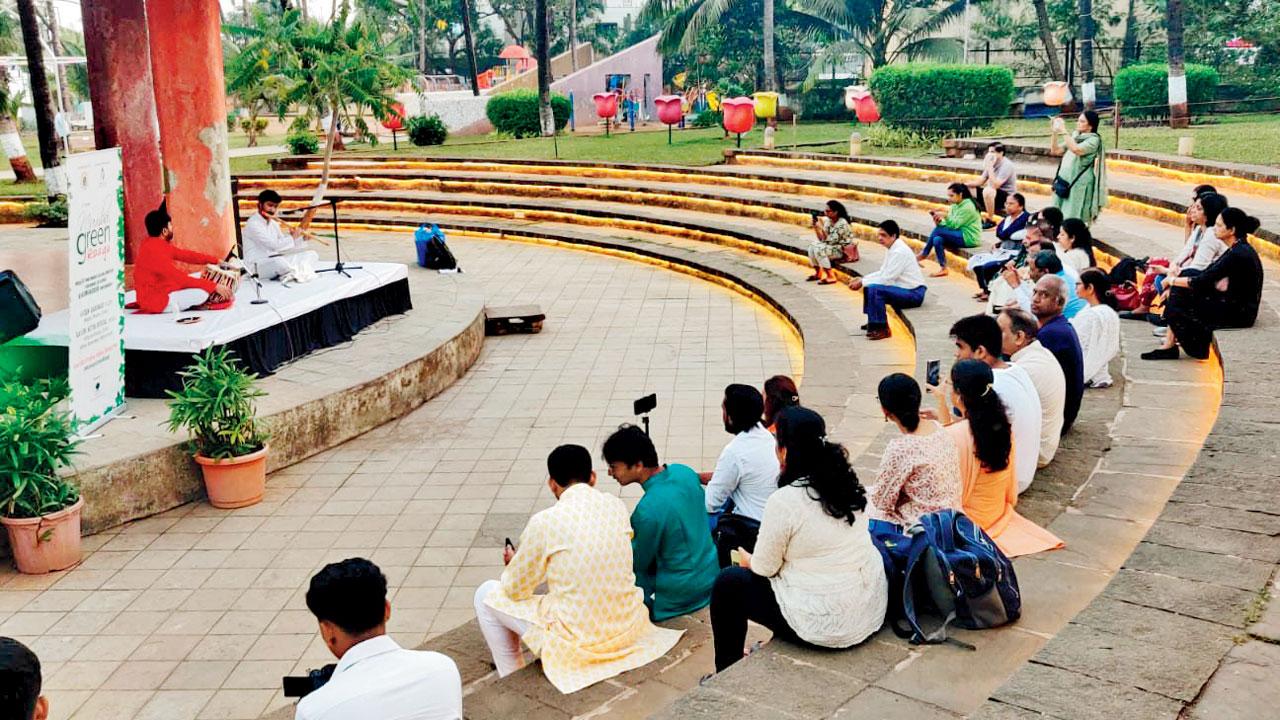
[(226, 278)]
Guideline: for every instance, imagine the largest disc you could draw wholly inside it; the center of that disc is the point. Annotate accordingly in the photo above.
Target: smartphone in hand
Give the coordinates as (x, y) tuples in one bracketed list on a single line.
[(932, 371)]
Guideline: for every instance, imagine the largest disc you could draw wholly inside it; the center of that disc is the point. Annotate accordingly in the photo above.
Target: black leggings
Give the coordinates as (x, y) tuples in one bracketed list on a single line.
[(740, 595)]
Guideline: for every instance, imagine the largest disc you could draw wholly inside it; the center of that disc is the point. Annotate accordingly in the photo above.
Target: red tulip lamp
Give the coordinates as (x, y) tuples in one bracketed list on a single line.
[(739, 115), (858, 100), (394, 121), (670, 111), (606, 107)]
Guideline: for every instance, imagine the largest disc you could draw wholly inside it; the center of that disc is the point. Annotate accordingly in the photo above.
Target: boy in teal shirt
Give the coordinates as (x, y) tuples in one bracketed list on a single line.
[(673, 555)]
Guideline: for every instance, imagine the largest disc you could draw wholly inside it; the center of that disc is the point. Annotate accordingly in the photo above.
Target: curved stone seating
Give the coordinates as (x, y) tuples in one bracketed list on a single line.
[(1121, 467)]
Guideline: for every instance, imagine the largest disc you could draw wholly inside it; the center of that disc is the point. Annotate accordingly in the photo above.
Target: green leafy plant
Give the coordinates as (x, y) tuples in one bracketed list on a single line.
[(942, 98), (516, 112), (1143, 90), (427, 130), (824, 101), (47, 214), (302, 142), (38, 441), (707, 118), (217, 406)]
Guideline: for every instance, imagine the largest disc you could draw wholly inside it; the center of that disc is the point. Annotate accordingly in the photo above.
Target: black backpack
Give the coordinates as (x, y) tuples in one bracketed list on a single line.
[(437, 255)]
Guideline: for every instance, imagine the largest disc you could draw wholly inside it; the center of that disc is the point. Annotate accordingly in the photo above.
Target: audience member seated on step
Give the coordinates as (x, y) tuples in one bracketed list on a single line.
[(20, 683), (1004, 289), (999, 181), (832, 234), (898, 283), (1018, 331), (1097, 327), (161, 287), (591, 623), (746, 473), (1075, 245), (269, 250), (1059, 338), (985, 447), (1045, 263), (1202, 247), (780, 393), (918, 472), (1225, 295), (1083, 168), (815, 577), (1010, 233), (960, 227), (374, 677), (674, 557), (978, 337)]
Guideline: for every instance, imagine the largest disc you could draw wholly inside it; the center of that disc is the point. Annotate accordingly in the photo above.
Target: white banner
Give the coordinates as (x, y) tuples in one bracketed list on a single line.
[(95, 220)]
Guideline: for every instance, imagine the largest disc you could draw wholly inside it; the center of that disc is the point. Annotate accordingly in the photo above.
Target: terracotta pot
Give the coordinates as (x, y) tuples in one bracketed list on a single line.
[(235, 482), (1056, 93), (45, 544)]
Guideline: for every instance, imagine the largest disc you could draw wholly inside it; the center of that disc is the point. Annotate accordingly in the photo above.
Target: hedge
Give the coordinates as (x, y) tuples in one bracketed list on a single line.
[(824, 102), (1143, 90), (427, 130), (920, 95), (516, 112)]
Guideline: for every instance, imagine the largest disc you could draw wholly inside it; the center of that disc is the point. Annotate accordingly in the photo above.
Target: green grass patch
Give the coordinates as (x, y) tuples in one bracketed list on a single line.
[(9, 188)]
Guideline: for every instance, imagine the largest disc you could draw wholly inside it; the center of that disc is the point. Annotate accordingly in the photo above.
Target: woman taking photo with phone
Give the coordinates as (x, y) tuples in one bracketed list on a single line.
[(832, 234), (1080, 187)]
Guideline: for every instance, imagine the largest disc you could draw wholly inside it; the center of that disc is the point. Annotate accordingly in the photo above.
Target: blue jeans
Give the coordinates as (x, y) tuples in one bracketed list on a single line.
[(875, 297), (942, 238)]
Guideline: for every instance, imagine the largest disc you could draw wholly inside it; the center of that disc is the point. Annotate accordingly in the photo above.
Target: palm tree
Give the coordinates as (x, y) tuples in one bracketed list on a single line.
[(882, 30), (18, 160), (1086, 53), (543, 53), (471, 47), (683, 21), (1046, 38), (1177, 70), (50, 152)]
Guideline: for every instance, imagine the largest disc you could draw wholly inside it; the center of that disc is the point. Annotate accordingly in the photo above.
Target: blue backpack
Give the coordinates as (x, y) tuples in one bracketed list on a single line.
[(946, 565)]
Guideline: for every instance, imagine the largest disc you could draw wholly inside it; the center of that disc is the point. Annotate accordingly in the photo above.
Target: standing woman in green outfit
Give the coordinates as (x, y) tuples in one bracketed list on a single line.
[(1080, 189), (960, 227)]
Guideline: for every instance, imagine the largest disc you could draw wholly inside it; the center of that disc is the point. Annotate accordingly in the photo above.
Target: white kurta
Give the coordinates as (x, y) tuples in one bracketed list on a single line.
[(1098, 327), (270, 251)]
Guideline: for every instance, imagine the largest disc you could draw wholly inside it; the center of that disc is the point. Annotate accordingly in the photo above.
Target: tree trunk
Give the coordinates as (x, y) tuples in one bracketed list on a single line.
[(770, 62), (544, 69), (55, 45), (330, 141), (1178, 117), (12, 142), (471, 47), (50, 155), (422, 39), (1046, 37), (573, 35), (1129, 53), (1087, 88)]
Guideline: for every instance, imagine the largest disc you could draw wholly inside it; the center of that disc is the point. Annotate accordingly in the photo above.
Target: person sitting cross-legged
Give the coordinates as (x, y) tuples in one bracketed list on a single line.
[(591, 623), (375, 677), (20, 683), (898, 282), (162, 287), (746, 473), (918, 472), (815, 576), (673, 555), (1059, 337), (1097, 327)]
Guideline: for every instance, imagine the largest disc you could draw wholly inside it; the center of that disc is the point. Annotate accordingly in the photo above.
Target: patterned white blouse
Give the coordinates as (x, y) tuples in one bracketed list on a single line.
[(918, 474)]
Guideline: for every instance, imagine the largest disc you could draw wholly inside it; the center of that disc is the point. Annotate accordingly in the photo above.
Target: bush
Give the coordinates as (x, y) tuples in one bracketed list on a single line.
[(256, 125), (217, 405), (942, 98), (47, 214), (427, 130), (39, 443), (824, 102), (302, 142), (1143, 90), (516, 112), (708, 118)]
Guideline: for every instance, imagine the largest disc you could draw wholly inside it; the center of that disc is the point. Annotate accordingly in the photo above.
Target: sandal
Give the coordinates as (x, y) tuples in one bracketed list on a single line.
[(826, 282), (812, 278)]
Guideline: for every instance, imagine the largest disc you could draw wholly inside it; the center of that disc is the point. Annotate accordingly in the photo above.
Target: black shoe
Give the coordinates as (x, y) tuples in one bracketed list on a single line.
[(987, 224), (1162, 354), (865, 326), (1157, 320), (1131, 315)]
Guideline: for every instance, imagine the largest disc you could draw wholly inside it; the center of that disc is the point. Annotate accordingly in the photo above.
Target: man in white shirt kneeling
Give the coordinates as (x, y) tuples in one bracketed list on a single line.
[(898, 283), (375, 677)]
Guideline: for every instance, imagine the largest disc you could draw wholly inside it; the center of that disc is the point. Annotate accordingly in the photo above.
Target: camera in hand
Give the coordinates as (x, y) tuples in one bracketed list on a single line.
[(645, 404), (300, 686)]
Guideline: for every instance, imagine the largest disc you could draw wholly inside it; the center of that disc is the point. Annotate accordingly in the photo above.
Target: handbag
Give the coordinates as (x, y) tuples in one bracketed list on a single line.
[(1126, 295), (1061, 187)]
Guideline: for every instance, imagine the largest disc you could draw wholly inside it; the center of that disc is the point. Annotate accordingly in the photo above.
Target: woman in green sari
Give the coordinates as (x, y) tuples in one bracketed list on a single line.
[(1083, 168)]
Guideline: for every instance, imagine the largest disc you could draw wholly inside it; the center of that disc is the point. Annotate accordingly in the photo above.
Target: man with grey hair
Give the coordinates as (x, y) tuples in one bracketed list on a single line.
[(1018, 332), (1059, 338)]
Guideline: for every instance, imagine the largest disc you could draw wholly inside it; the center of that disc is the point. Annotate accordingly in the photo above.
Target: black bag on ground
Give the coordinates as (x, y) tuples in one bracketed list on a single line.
[(19, 313), (1126, 270), (733, 532)]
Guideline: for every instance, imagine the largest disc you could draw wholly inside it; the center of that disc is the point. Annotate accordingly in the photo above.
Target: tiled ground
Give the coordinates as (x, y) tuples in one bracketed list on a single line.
[(197, 613)]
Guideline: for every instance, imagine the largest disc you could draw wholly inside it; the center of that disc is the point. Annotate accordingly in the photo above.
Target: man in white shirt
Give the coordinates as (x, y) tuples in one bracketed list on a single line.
[(977, 337), (1018, 332), (375, 677), (746, 473), (269, 251), (899, 282)]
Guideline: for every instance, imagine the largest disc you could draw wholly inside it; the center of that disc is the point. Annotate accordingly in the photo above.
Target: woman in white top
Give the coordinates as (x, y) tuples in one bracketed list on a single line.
[(815, 576), (918, 473), (1075, 245), (1097, 326), (1202, 245)]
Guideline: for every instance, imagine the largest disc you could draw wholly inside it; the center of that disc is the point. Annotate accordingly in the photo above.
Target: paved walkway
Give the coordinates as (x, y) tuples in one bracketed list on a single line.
[(196, 613)]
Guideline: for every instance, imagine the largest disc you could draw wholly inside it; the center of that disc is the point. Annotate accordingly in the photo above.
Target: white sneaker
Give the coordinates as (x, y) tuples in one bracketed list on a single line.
[(1160, 331)]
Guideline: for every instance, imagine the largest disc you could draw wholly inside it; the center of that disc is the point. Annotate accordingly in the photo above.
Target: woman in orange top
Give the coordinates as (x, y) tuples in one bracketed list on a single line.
[(984, 444)]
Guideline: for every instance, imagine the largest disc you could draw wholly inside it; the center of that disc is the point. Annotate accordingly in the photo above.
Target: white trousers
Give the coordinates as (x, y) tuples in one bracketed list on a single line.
[(820, 255), (185, 299), (501, 631), (269, 268)]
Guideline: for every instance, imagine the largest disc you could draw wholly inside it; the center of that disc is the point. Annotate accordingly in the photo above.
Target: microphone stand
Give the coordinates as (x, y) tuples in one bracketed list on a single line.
[(258, 286), (338, 266)]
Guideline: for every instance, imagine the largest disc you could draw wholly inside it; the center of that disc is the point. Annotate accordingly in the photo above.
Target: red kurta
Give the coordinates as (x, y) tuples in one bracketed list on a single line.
[(156, 274)]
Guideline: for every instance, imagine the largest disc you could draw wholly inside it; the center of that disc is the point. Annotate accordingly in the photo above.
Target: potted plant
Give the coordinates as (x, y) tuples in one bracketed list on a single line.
[(216, 405), (39, 508)]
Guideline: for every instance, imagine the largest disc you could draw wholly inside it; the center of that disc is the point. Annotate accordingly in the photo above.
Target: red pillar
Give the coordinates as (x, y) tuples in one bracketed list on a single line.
[(191, 104), (124, 109)]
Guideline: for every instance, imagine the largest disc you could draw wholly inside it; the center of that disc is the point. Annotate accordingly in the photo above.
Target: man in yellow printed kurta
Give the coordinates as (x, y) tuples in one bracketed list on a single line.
[(592, 623)]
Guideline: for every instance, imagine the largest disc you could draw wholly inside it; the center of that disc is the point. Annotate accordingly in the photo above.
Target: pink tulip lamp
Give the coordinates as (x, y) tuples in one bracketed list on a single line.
[(606, 107), (739, 115)]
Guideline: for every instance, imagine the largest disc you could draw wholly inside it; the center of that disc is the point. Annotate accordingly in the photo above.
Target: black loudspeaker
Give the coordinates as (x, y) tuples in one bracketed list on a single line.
[(19, 313)]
